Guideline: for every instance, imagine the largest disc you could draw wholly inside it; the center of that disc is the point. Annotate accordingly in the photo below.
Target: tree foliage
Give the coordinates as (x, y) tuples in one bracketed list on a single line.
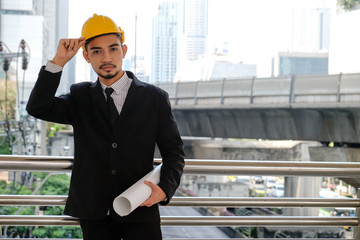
[(55, 185), (348, 4), (4, 146), (52, 128), (7, 99)]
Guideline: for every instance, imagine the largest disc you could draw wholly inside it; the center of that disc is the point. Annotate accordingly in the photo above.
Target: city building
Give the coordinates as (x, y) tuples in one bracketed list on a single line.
[(214, 67), (128, 65), (56, 14), (287, 63), (308, 50), (165, 42), (41, 23), (195, 28), (344, 52), (311, 26), (19, 21)]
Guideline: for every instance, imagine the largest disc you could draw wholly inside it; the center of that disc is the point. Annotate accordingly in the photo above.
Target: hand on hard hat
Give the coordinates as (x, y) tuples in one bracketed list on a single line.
[(66, 50)]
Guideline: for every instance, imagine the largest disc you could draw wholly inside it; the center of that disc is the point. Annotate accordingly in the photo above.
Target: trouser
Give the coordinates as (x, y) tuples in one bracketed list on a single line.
[(109, 229)]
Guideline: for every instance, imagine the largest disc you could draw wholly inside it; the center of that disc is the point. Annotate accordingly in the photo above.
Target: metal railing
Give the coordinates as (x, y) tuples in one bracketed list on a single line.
[(221, 167), (45, 200), (194, 239), (289, 89)]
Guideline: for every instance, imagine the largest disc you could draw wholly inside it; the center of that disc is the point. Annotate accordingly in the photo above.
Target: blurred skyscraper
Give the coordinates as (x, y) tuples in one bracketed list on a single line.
[(165, 42), (311, 26), (195, 27), (310, 40), (56, 15)]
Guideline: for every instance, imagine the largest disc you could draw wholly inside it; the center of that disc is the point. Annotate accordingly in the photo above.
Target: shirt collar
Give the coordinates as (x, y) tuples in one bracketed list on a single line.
[(119, 85)]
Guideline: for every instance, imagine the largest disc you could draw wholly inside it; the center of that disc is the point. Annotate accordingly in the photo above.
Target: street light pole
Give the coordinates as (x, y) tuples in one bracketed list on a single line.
[(135, 43)]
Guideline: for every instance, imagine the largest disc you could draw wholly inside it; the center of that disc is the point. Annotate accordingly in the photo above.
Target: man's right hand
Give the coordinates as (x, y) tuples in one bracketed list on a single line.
[(66, 50)]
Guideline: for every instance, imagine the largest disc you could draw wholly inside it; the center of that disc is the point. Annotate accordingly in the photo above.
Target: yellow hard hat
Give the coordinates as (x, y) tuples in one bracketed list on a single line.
[(99, 25)]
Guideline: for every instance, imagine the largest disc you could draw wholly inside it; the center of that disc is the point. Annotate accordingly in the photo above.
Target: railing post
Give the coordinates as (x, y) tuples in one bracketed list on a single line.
[(196, 92), (338, 97), (176, 93), (222, 91), (356, 233), (252, 90), (292, 90)]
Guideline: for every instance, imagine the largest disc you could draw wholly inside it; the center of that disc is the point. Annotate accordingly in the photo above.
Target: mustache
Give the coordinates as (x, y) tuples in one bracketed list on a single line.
[(107, 64)]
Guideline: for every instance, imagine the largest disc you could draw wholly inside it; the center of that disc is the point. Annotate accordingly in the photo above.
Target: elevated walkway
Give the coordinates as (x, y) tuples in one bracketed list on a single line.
[(321, 108)]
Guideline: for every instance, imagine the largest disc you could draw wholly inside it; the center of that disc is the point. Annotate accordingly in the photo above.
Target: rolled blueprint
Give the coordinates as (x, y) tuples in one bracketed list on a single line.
[(135, 195)]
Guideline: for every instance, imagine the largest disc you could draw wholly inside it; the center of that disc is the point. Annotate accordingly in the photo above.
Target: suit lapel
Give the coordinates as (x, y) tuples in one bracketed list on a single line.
[(98, 98), (133, 96)]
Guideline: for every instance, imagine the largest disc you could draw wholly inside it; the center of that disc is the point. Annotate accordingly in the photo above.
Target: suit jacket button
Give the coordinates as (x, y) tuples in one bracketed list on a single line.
[(113, 172), (114, 145)]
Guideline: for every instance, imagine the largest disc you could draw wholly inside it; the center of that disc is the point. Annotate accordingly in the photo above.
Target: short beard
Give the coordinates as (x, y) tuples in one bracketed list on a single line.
[(109, 76)]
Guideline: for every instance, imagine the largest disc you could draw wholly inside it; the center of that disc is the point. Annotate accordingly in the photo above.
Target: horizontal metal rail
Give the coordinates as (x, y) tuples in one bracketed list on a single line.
[(32, 200), (56, 238), (243, 239), (223, 167), (194, 238), (246, 238), (31, 220), (14, 55), (192, 166), (263, 202), (53, 200)]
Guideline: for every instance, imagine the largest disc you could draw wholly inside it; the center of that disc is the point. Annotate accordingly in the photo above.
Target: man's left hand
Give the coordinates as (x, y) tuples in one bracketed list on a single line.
[(157, 195)]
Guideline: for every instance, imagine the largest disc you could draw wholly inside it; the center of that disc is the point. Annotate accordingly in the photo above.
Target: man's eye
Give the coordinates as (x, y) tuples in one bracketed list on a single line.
[(96, 52), (113, 49)]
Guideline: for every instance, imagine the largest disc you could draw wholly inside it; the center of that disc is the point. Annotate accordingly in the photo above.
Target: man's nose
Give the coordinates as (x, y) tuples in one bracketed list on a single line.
[(107, 57)]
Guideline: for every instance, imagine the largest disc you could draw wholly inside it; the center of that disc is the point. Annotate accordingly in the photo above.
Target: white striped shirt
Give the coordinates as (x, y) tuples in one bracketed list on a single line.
[(121, 88), (52, 67)]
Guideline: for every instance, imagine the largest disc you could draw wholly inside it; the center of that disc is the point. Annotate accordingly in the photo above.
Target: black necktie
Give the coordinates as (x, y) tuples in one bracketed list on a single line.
[(111, 106)]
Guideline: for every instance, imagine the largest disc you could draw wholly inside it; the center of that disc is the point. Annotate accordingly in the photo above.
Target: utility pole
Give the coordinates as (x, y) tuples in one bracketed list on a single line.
[(0, 17), (135, 43), (11, 125)]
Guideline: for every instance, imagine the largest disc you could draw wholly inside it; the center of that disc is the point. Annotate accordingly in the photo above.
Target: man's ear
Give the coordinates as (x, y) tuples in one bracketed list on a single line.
[(124, 49), (85, 54)]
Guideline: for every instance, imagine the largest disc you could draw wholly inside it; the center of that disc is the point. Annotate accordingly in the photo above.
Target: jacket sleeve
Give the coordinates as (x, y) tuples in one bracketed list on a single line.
[(171, 149), (42, 102)]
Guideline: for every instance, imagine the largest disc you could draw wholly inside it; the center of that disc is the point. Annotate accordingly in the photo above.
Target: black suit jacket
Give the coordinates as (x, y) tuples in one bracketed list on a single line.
[(107, 161)]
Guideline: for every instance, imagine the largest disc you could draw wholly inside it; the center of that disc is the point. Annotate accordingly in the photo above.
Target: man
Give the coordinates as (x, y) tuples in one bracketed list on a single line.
[(114, 145)]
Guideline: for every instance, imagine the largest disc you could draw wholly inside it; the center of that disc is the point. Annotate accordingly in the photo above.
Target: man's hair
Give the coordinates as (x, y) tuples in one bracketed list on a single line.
[(89, 40)]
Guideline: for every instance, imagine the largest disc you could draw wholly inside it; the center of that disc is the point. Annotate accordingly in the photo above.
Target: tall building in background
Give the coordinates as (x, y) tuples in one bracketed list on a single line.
[(311, 26), (303, 63), (308, 52), (19, 21), (195, 62), (344, 53), (165, 42), (214, 66), (57, 27), (41, 23), (195, 27)]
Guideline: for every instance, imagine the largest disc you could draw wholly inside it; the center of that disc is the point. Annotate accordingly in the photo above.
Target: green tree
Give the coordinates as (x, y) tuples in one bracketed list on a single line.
[(55, 185), (348, 4), (7, 99), (7, 109), (4, 146), (52, 128)]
